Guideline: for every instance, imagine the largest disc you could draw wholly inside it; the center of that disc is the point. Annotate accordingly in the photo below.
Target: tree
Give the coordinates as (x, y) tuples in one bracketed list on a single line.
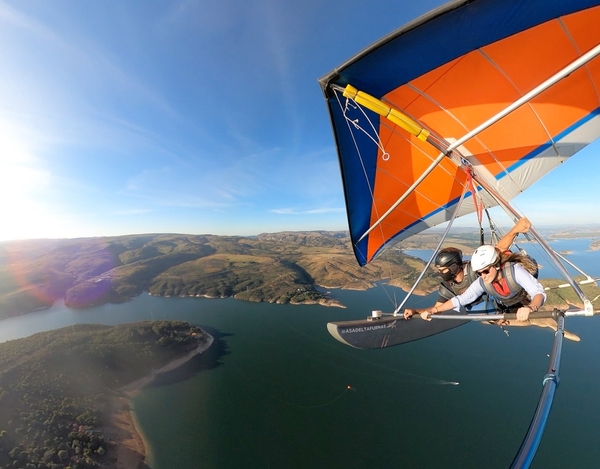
[(15, 452)]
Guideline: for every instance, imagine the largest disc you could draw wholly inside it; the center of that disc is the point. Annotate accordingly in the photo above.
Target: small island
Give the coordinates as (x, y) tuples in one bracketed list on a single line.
[(595, 245), (64, 394)]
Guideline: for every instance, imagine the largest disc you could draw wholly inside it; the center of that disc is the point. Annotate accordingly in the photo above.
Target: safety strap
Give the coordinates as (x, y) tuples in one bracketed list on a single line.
[(478, 206)]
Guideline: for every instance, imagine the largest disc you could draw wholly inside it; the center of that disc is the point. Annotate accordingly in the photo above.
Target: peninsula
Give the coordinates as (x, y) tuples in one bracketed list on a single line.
[(64, 394), (285, 267)]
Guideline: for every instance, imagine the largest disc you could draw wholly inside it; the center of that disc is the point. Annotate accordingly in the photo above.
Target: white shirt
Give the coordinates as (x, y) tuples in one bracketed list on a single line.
[(522, 277)]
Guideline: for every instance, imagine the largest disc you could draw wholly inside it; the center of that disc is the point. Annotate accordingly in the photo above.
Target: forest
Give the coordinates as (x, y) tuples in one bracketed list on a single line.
[(56, 388)]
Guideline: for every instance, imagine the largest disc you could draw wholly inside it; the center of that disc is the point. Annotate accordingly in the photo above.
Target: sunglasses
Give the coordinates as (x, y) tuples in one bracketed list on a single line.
[(483, 272)]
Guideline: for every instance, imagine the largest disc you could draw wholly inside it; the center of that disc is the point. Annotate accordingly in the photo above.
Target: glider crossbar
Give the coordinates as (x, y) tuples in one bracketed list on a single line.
[(589, 278), (565, 285)]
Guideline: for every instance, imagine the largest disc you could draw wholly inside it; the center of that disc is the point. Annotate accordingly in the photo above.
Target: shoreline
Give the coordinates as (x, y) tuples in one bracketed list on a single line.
[(129, 447), (132, 388)]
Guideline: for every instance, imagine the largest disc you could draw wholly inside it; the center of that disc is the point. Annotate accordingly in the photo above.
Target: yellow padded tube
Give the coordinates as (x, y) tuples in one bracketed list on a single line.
[(386, 111)]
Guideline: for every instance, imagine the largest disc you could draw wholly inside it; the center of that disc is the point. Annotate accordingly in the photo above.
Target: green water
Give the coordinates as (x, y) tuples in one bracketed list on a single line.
[(272, 391)]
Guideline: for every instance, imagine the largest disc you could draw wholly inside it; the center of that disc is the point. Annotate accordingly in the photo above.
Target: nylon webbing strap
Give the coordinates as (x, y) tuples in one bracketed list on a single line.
[(478, 206)]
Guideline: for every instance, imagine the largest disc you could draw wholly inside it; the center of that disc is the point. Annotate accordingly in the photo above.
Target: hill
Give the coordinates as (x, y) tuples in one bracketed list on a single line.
[(286, 267), (274, 267), (57, 388)]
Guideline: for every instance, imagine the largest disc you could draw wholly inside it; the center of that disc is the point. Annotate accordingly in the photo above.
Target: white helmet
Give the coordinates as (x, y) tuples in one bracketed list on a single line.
[(484, 256)]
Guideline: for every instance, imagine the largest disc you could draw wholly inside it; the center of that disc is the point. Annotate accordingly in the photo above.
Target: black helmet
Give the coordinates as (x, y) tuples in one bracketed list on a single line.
[(448, 257)]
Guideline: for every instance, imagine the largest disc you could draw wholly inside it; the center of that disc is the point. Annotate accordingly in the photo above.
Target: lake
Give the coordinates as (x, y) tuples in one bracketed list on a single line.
[(577, 249), (276, 390)]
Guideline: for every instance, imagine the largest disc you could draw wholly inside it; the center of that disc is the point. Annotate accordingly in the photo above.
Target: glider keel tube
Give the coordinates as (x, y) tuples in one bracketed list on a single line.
[(532, 439)]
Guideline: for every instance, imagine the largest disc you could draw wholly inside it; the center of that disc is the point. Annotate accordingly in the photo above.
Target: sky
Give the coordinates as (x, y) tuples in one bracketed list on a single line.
[(195, 117)]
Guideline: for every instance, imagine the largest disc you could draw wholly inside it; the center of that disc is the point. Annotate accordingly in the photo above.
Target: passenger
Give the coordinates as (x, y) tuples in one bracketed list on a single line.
[(457, 275), (503, 276)]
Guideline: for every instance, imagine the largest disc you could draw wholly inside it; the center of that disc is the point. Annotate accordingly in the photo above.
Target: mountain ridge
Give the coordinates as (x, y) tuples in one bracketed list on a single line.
[(285, 267)]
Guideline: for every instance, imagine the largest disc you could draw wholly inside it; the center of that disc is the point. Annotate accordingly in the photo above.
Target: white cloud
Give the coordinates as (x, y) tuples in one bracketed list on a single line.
[(133, 211), (312, 211), (182, 187)]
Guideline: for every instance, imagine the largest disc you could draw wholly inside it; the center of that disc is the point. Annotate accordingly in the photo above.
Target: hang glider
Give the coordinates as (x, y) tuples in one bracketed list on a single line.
[(508, 89), (463, 108)]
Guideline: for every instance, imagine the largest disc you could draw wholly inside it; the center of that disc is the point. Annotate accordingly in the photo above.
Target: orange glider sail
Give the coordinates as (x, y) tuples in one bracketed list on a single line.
[(503, 89)]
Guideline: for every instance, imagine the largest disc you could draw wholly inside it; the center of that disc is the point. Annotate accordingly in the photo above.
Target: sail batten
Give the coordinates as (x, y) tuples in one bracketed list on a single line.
[(511, 86)]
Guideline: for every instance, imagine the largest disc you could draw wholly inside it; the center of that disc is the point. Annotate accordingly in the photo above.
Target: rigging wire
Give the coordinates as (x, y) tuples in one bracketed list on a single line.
[(350, 103), (437, 142), (454, 214)]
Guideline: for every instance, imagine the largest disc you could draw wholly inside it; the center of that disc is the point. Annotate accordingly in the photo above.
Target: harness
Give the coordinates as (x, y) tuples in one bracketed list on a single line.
[(516, 295), (448, 290), (470, 273)]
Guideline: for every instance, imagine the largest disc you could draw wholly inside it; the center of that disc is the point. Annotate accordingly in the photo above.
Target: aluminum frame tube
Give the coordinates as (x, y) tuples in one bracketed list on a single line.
[(529, 446)]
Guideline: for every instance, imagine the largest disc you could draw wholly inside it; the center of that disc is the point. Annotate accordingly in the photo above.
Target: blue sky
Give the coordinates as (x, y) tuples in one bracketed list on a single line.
[(194, 117)]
